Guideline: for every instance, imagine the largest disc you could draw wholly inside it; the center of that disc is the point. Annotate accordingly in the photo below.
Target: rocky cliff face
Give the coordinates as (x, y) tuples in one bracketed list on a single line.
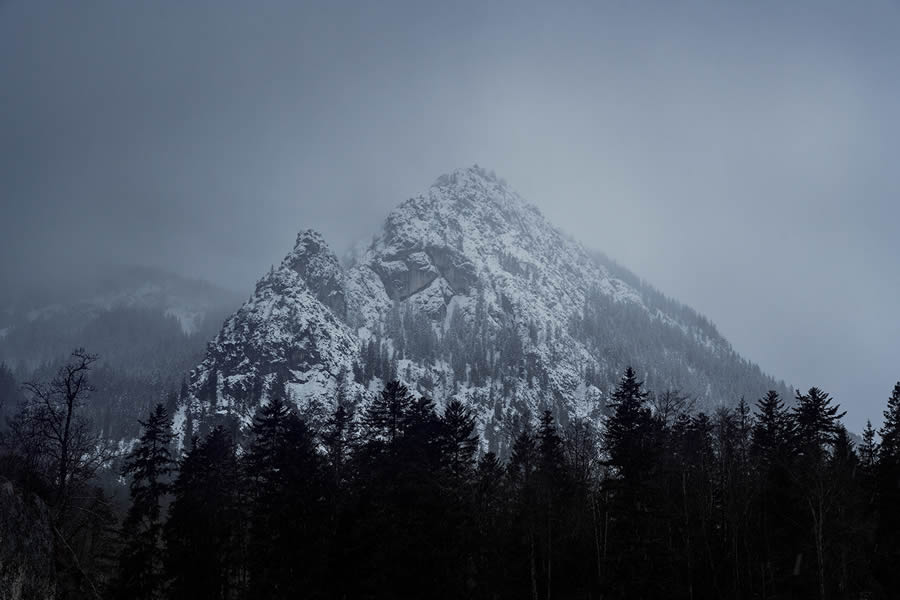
[(320, 270), (468, 292), (291, 330)]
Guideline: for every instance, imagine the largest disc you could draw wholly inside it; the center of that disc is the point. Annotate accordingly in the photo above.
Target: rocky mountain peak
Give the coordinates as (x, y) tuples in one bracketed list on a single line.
[(473, 176), (320, 269), (465, 292)]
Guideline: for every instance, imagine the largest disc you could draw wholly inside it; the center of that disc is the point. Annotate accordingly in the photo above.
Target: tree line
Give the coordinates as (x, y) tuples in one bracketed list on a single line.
[(396, 501)]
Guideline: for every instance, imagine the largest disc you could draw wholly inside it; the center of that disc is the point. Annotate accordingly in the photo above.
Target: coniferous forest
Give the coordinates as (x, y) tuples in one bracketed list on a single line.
[(770, 499)]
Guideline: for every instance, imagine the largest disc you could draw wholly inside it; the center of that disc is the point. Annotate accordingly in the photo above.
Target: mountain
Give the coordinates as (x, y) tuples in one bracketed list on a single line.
[(149, 327), (466, 291)]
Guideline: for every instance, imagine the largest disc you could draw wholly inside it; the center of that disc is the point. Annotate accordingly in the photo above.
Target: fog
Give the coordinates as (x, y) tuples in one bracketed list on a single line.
[(740, 158)]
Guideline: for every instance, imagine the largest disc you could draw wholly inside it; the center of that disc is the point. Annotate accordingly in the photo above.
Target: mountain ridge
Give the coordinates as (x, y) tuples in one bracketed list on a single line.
[(468, 292)]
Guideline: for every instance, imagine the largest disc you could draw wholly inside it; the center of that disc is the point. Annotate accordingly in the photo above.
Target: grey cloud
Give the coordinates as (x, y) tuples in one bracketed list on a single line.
[(739, 157)]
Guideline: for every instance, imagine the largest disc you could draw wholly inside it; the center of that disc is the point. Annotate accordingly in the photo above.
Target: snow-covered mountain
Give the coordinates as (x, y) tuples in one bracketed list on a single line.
[(467, 291)]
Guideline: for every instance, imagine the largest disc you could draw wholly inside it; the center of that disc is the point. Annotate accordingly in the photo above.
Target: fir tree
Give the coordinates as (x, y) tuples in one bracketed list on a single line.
[(458, 429), (284, 472), (868, 450), (387, 416), (889, 451), (148, 466), (628, 429), (339, 439), (818, 430), (773, 430), (817, 421), (202, 534), (888, 495)]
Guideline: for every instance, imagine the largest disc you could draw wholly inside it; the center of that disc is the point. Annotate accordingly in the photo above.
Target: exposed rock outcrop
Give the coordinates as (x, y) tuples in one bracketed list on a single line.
[(314, 261), (465, 292)]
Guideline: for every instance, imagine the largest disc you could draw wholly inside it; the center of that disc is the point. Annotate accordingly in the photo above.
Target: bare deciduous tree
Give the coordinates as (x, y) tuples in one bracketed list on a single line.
[(670, 405), (53, 435)]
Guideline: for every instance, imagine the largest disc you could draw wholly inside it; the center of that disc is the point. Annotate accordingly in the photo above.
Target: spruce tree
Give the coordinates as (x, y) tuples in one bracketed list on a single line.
[(339, 439), (888, 495), (523, 461), (149, 466), (868, 449), (386, 418), (633, 444), (772, 431), (847, 573), (552, 490), (817, 422), (550, 448), (889, 452), (203, 535), (818, 429), (521, 471), (628, 429), (286, 510), (458, 430)]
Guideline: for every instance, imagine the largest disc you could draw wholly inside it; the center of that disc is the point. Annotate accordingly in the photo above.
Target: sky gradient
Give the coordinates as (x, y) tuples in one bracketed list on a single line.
[(741, 157)]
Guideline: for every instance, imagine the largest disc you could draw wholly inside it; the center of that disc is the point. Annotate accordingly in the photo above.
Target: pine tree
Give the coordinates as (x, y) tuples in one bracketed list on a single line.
[(889, 452), (521, 471), (550, 447), (628, 430), (149, 466), (847, 573), (888, 495), (339, 439), (817, 421), (458, 430), (523, 460), (284, 474), (388, 414), (633, 444), (773, 430), (868, 450), (202, 535), (551, 490), (490, 512), (818, 429), (775, 506)]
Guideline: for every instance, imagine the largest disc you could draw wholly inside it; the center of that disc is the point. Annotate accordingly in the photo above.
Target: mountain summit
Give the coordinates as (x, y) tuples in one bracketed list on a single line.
[(466, 292)]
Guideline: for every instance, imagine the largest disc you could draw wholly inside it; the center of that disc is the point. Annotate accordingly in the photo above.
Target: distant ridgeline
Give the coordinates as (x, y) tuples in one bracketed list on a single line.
[(149, 328)]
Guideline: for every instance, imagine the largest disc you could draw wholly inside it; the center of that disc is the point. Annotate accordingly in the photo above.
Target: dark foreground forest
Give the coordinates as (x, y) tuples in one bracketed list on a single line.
[(763, 501)]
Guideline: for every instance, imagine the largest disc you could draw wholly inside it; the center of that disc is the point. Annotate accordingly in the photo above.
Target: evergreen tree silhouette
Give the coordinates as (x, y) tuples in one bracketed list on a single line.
[(888, 495), (149, 465), (286, 509), (203, 534)]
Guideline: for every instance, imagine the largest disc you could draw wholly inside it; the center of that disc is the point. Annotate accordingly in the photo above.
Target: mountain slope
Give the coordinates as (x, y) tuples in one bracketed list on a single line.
[(149, 328), (286, 332), (466, 291)]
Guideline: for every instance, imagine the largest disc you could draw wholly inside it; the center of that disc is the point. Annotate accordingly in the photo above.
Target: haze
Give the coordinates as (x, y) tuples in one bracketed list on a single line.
[(740, 158)]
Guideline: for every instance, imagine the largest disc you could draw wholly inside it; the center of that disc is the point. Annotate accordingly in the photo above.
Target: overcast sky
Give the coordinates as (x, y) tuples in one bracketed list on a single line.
[(742, 157)]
